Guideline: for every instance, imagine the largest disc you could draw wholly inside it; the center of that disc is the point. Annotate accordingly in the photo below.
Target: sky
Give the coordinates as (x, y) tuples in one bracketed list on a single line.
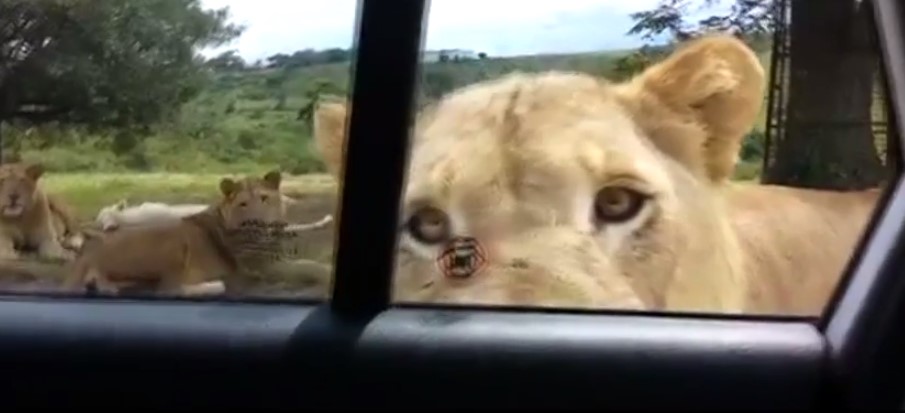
[(495, 27)]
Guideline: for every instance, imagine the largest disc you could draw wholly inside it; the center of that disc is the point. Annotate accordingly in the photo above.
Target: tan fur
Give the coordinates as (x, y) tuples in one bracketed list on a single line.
[(186, 257), (31, 218), (68, 229), (516, 162), (797, 252)]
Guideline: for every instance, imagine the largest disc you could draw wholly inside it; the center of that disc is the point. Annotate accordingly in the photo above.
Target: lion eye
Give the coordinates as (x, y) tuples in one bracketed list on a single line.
[(613, 205), (429, 225), (243, 204), (263, 198)]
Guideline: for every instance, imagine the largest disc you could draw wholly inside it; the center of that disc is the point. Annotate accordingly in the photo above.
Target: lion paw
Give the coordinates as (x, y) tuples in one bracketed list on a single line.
[(56, 252), (73, 242)]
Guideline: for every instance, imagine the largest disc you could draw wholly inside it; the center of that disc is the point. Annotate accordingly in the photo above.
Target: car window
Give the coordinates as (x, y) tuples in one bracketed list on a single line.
[(662, 156), (164, 148), (652, 156)]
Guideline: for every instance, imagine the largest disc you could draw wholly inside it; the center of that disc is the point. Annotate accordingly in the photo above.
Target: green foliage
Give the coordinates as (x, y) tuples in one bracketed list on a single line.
[(636, 61), (228, 61), (748, 18), (108, 62), (281, 101), (753, 146), (752, 20), (438, 81), (747, 171), (309, 57)]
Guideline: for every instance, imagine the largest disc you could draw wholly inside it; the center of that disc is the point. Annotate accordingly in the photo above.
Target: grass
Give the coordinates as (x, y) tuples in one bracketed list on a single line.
[(305, 273)]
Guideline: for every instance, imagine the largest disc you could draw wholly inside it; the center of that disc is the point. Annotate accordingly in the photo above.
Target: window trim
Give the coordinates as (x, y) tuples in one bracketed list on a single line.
[(235, 354), (864, 327), (385, 69)]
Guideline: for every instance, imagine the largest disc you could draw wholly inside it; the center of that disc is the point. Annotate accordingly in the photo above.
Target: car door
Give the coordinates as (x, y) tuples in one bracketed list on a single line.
[(360, 350)]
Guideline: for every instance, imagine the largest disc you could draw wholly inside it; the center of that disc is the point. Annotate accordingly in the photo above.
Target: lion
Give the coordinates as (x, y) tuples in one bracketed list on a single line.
[(195, 255), (121, 214), (559, 189), (30, 218)]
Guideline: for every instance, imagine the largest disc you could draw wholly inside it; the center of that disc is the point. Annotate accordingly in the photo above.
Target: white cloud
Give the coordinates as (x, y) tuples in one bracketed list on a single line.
[(498, 27)]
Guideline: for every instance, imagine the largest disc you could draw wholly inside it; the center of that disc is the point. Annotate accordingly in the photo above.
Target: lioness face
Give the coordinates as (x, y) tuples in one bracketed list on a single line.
[(107, 217), (252, 201), (559, 189), (18, 182)]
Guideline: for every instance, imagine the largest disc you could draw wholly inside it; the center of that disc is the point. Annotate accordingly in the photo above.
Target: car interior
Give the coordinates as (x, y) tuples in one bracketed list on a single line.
[(361, 350)]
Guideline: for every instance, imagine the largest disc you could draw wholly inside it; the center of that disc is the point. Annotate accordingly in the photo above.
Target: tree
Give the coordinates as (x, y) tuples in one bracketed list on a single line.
[(745, 18), (829, 142), (110, 62), (437, 81), (281, 100), (636, 61), (336, 55), (229, 61), (309, 57)]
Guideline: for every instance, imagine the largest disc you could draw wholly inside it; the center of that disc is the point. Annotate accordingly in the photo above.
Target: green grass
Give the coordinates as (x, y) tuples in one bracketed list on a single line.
[(748, 171)]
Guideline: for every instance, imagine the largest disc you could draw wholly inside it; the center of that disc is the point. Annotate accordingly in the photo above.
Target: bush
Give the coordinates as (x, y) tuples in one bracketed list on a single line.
[(753, 146), (747, 171), (255, 95), (247, 139), (303, 166)]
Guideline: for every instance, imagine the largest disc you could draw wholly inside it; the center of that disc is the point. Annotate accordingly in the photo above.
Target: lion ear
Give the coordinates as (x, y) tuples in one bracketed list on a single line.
[(34, 171), (272, 179), (697, 104), (228, 187), (330, 134)]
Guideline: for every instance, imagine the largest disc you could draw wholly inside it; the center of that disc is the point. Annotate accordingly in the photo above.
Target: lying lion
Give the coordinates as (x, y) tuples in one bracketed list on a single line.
[(121, 214), (193, 256), (559, 189), (33, 219)]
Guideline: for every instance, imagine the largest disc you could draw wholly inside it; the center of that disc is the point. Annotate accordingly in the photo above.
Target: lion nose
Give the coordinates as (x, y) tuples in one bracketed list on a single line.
[(14, 198)]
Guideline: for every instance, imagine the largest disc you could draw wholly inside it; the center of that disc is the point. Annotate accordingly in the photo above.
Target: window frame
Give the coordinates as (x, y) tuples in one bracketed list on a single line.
[(862, 324), (72, 351)]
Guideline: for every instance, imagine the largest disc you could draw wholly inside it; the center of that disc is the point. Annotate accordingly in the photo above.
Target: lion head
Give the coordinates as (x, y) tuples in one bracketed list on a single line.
[(18, 188), (252, 201), (560, 189), (107, 217)]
